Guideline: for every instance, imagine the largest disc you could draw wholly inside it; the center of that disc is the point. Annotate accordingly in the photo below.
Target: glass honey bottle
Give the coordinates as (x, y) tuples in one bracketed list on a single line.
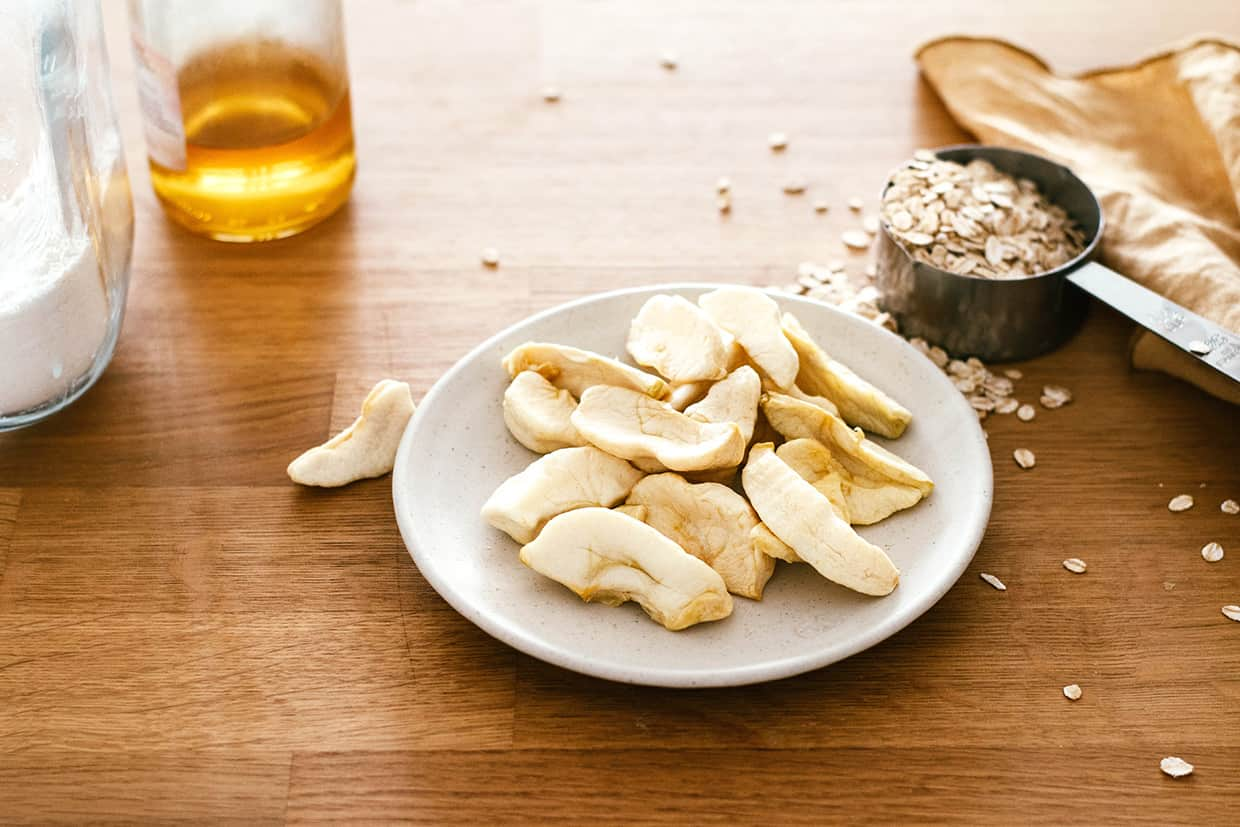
[(246, 113)]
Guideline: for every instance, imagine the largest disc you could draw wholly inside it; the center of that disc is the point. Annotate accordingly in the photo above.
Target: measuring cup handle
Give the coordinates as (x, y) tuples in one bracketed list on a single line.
[(1200, 337)]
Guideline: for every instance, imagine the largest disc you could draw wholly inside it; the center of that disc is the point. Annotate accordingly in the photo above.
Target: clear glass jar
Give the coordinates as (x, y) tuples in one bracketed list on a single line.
[(66, 220), (246, 108)]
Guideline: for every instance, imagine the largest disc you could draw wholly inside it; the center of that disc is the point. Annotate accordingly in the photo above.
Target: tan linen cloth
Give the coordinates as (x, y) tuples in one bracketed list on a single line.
[(1158, 142)]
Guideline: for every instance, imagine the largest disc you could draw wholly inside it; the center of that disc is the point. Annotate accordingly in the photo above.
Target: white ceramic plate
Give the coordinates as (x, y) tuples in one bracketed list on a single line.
[(456, 450)]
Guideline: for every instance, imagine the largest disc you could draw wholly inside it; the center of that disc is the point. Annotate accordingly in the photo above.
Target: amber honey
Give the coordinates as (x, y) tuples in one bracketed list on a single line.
[(268, 140)]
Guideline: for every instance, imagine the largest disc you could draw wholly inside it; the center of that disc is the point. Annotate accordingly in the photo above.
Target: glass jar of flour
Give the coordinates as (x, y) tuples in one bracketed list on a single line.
[(66, 220)]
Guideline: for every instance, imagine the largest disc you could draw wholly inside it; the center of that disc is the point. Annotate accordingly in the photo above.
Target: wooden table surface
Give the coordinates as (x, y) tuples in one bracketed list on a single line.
[(186, 635)]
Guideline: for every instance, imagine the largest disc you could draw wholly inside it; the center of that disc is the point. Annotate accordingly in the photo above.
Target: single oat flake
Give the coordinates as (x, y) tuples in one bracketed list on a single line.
[(1075, 565), (669, 61), (1059, 394), (1181, 502), (1212, 552), (1006, 406), (1232, 612), (821, 206), (724, 184), (551, 94), (490, 257), (1072, 692), (997, 583), (796, 186), (1229, 507), (1175, 767), (855, 204), (778, 141), (1026, 412), (724, 202), (855, 239), (1024, 457)]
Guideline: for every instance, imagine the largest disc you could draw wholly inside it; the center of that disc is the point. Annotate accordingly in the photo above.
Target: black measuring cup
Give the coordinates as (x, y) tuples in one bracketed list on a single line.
[(1002, 320)]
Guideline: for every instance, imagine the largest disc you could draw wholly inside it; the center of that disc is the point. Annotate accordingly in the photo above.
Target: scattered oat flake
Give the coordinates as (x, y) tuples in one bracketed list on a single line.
[(855, 239), (490, 257), (1054, 396), (871, 271), (855, 204), (778, 141), (1212, 552), (1229, 507), (1168, 585), (994, 581), (551, 94), (669, 61), (1072, 692), (1026, 412), (1175, 767), (1232, 612), (724, 203), (1024, 457), (821, 206), (794, 187), (1075, 565), (724, 184), (1006, 406), (870, 224), (1181, 502), (1198, 347), (1013, 374)]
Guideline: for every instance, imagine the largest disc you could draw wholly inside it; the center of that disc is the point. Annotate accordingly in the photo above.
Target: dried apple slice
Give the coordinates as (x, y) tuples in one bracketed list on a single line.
[(574, 369), (802, 517), (610, 558), (538, 413), (636, 427), (710, 521), (673, 336), (365, 449), (753, 318), (563, 480), (859, 402), (733, 399), (861, 500), (795, 419)]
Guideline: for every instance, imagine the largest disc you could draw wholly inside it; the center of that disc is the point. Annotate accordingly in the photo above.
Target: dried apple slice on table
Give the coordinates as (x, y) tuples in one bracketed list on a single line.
[(563, 480), (710, 521), (365, 449), (608, 557)]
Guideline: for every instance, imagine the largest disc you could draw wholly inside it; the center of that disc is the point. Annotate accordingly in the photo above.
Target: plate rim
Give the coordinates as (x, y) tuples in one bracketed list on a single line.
[(663, 676)]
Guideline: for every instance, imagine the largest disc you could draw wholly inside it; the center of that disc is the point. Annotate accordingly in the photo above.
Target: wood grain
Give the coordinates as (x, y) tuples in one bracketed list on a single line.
[(184, 636)]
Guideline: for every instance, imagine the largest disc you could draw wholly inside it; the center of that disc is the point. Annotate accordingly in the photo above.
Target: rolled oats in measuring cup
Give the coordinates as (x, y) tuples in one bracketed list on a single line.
[(66, 221)]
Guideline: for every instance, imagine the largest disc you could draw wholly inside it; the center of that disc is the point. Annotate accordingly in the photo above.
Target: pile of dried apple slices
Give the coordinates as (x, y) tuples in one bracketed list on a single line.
[(637, 496)]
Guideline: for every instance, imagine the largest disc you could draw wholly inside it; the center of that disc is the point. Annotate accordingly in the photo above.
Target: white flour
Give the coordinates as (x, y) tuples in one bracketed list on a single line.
[(53, 303)]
